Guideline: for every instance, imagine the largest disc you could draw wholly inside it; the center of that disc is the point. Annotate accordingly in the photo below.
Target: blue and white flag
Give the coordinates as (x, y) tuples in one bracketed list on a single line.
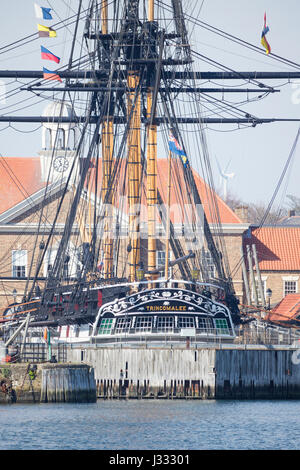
[(42, 12), (175, 147)]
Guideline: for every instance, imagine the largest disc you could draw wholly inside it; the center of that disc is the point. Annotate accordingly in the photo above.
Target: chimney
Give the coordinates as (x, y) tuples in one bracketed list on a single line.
[(292, 213), (242, 213)]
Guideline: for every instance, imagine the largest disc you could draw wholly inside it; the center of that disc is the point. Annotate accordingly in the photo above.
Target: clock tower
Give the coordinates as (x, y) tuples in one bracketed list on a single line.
[(58, 144)]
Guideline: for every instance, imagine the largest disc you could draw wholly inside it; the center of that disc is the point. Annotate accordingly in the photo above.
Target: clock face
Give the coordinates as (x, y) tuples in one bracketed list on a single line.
[(60, 164)]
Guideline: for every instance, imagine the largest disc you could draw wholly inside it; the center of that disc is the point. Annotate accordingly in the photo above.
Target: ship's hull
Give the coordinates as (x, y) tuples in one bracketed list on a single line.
[(67, 305)]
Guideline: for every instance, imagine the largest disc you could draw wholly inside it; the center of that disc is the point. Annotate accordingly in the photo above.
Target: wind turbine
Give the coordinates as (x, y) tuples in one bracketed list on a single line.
[(224, 177)]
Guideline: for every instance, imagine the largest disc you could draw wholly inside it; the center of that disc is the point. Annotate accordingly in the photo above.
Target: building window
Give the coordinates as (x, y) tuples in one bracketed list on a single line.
[(71, 140), (143, 323), (49, 261), (208, 264), (105, 326), (48, 143), (19, 263), (60, 139), (290, 287), (165, 323), (186, 322), (161, 258), (161, 261)]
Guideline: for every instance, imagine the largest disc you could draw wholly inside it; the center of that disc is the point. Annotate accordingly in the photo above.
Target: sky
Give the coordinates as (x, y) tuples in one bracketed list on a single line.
[(256, 156)]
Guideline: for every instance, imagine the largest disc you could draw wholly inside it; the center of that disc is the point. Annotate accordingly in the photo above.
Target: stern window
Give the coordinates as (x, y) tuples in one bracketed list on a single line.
[(143, 323), (105, 326), (186, 322), (222, 325), (122, 325), (205, 323), (165, 323)]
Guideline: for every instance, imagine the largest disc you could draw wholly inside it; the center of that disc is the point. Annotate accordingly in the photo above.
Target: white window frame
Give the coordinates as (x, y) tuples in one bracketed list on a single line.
[(285, 281), (145, 323), (186, 322), (164, 260), (164, 257), (208, 263), (165, 323), (19, 261), (49, 259), (123, 325)]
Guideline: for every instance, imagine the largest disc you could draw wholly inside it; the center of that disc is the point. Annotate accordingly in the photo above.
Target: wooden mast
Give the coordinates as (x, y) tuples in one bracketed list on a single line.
[(168, 217), (104, 17), (134, 166), (107, 196), (134, 173), (151, 171), (107, 166)]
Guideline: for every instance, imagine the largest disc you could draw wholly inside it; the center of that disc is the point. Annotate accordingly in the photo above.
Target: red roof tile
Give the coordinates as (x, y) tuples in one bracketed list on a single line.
[(287, 309), (278, 248), (20, 177), (207, 196)]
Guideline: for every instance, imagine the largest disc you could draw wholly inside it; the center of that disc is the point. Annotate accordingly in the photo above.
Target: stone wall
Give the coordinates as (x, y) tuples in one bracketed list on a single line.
[(23, 389), (48, 383)]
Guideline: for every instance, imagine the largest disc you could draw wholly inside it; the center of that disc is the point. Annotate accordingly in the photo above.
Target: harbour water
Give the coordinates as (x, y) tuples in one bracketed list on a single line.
[(152, 425)]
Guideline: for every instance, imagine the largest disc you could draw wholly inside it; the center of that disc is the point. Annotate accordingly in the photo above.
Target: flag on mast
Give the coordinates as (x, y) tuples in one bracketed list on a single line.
[(46, 32), (49, 75), (264, 41), (42, 12), (47, 55), (176, 148)]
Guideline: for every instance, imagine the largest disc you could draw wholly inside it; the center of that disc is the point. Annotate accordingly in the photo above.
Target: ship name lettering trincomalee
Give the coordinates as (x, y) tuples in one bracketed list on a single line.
[(166, 307), (192, 300)]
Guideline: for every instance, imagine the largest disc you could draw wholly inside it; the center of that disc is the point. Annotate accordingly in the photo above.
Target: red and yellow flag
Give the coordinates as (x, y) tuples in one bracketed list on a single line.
[(264, 41)]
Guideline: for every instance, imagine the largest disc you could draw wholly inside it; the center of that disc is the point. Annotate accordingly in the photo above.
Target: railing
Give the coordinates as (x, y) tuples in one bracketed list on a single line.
[(260, 335), (168, 332), (39, 352), (268, 336)]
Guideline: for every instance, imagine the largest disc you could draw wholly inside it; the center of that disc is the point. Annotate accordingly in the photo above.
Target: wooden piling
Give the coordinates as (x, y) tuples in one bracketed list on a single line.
[(68, 383), (213, 373)]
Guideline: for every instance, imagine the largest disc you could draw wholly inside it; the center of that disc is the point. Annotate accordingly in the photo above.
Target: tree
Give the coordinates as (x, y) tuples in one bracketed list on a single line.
[(294, 203), (258, 214)]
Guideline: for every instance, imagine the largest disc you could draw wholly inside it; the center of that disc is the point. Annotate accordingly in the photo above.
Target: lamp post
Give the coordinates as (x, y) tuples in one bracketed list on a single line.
[(15, 293), (269, 295)]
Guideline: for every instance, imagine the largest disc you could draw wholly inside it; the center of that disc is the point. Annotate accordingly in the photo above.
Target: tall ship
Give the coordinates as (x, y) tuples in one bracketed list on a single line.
[(130, 253)]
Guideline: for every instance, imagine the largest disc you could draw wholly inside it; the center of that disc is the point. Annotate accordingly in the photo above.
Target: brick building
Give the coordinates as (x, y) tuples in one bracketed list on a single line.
[(278, 252)]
